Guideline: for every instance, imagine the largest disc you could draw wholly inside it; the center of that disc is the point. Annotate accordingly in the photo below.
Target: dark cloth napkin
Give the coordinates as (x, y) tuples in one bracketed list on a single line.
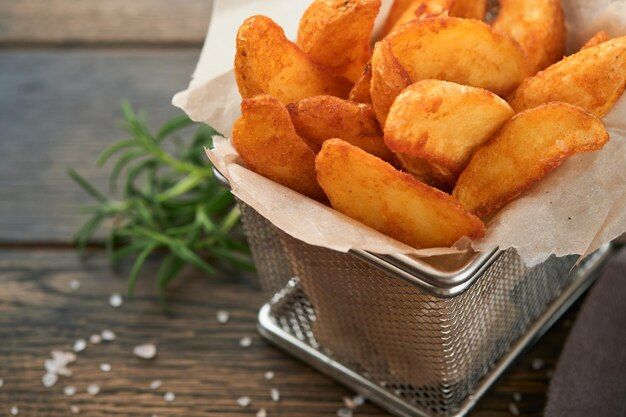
[(590, 377)]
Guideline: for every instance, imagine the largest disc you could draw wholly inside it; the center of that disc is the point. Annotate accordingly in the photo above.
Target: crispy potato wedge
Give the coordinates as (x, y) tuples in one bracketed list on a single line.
[(373, 192), (361, 90), (593, 79), (596, 39), (442, 124), (266, 62), (337, 33), (320, 118), (538, 26), (469, 9), (269, 145), (529, 146), (405, 11), (463, 51)]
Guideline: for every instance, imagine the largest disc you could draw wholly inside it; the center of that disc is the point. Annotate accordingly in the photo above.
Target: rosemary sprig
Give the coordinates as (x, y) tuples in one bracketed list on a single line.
[(169, 202)]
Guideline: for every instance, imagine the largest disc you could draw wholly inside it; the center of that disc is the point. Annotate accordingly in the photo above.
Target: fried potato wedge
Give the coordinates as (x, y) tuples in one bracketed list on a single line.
[(373, 192), (463, 51), (269, 145), (596, 39), (361, 90), (442, 124), (593, 79), (337, 33), (469, 9), (320, 118), (538, 26), (529, 146), (266, 62), (405, 11)]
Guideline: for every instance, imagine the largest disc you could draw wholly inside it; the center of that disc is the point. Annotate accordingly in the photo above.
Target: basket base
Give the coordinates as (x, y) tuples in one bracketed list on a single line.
[(398, 406)]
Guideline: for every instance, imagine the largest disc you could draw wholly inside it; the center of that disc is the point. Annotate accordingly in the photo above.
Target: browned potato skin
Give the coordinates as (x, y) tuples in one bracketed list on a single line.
[(596, 39), (266, 62), (469, 9), (435, 127), (593, 79), (463, 51), (405, 11), (532, 144), (373, 192), (361, 90), (538, 26), (320, 118), (337, 33), (269, 145)]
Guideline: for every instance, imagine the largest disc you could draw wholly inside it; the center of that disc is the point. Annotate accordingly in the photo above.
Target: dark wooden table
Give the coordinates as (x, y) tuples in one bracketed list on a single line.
[(64, 67)]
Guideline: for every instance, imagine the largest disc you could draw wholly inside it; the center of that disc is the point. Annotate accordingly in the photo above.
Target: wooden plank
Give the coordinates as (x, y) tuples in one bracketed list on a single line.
[(199, 359), (110, 22), (59, 109)]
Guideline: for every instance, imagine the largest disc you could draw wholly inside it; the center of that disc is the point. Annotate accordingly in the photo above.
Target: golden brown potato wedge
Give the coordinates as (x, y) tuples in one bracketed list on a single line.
[(538, 26), (269, 145), (463, 51), (596, 39), (361, 90), (320, 118), (337, 33), (373, 192), (405, 11), (529, 146), (266, 62), (593, 79), (469, 9), (438, 125)]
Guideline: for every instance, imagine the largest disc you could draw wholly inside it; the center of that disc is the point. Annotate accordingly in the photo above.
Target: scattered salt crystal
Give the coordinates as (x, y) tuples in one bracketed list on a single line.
[(116, 300), (74, 284), (1, 382), (156, 384), (275, 394), (65, 372), (513, 409), (359, 400), (63, 357), (75, 409), (517, 397), (245, 342), (79, 345), (145, 351), (269, 375), (93, 389), (347, 401), (14, 410), (344, 412), (95, 339), (169, 396), (537, 364), (244, 401), (107, 335), (69, 391), (222, 316), (105, 367), (261, 413), (49, 380)]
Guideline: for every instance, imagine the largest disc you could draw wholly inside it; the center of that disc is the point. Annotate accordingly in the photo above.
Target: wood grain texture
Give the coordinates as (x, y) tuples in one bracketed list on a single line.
[(199, 360), (60, 109), (110, 22)]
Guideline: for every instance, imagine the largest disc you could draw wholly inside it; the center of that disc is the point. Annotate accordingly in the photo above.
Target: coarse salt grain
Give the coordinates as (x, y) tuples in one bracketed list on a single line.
[(74, 284), (244, 401), (63, 357), (347, 401), (95, 339), (145, 351), (517, 397), (105, 367), (79, 345), (537, 364), (275, 394), (245, 342), (14, 410), (156, 384), (344, 412), (269, 375), (116, 300), (69, 390), (49, 380), (93, 389), (222, 316), (358, 400), (513, 409), (107, 335), (169, 396), (75, 409), (261, 413)]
